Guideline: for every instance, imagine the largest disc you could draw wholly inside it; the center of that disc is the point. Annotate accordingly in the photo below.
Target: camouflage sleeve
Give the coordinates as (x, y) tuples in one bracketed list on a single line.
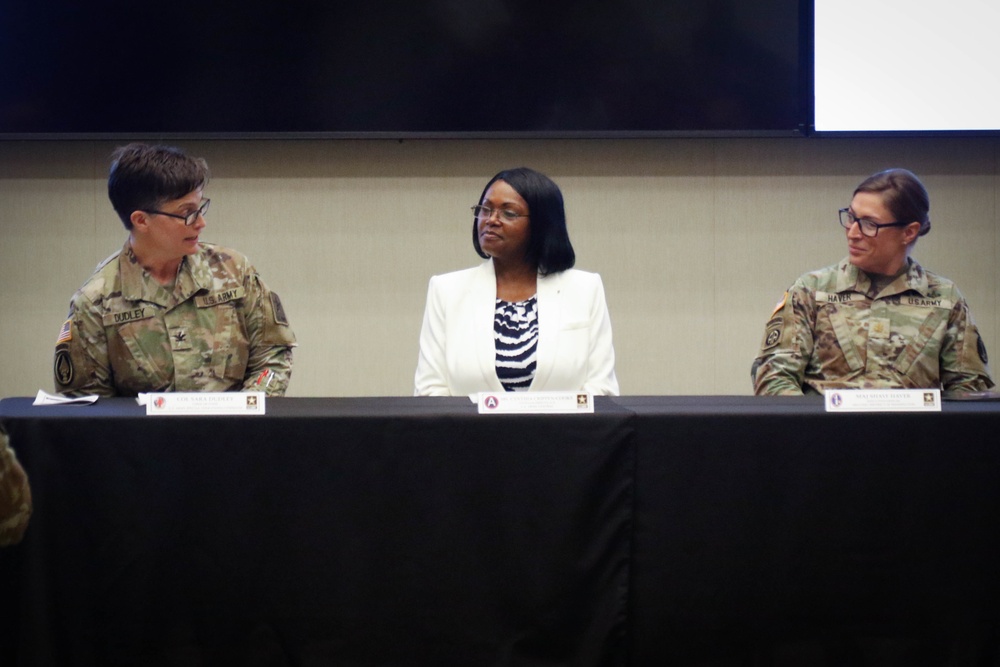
[(269, 366), (81, 366), (779, 368), (964, 362), (15, 496)]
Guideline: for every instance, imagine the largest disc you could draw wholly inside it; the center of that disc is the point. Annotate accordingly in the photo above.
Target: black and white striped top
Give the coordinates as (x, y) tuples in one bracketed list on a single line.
[(515, 328)]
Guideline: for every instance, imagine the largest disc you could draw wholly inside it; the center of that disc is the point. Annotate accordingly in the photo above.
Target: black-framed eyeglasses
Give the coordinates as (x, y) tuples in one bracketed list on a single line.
[(505, 214), (188, 219), (868, 227)]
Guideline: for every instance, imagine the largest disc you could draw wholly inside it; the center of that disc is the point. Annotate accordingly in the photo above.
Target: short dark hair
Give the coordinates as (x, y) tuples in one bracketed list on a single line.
[(142, 177), (903, 194), (549, 248)]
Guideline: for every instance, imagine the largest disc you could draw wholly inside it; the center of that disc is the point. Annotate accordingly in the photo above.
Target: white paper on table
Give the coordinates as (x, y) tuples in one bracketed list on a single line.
[(45, 398)]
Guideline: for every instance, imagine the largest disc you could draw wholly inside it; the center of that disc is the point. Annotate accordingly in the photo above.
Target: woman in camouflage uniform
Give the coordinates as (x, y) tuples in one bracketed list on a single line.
[(877, 319), (169, 312)]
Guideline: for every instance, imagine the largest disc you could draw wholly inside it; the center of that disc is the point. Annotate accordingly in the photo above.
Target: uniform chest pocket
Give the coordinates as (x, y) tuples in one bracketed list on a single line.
[(228, 349), (840, 327), (921, 338), (139, 350)]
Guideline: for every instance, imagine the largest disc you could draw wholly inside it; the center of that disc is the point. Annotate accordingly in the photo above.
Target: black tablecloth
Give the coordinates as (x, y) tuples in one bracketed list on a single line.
[(392, 531), (771, 532)]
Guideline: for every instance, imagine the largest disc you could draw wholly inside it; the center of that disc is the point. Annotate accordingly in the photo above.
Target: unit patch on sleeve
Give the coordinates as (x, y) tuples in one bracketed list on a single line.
[(63, 368), (278, 309), (772, 336)]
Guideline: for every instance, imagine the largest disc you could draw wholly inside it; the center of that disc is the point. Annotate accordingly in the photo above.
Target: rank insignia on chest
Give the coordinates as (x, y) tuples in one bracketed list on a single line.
[(878, 327), (179, 339)]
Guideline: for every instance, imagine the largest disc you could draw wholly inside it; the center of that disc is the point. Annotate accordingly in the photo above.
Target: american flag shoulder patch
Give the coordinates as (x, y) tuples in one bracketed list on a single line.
[(66, 333), (781, 304)]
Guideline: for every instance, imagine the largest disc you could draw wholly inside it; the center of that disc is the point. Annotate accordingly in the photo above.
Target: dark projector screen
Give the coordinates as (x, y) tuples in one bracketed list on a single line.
[(395, 67)]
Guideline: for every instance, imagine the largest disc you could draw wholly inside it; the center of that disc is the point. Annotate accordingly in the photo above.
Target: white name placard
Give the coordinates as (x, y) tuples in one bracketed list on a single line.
[(542, 402), (204, 403), (883, 400)]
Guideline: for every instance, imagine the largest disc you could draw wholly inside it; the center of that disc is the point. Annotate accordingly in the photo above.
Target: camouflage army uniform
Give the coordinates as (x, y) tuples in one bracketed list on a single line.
[(828, 333), (217, 329), (15, 496)]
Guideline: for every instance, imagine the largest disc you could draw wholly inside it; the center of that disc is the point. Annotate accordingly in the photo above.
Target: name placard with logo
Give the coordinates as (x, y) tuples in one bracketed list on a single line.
[(535, 402), (203, 403), (883, 400)]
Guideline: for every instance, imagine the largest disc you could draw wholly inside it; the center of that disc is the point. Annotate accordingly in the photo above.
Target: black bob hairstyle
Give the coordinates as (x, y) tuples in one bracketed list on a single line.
[(549, 248)]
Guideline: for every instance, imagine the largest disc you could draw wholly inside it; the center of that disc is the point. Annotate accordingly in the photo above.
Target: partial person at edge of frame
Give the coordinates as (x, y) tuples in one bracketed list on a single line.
[(168, 312), (15, 496), (877, 319), (523, 320)]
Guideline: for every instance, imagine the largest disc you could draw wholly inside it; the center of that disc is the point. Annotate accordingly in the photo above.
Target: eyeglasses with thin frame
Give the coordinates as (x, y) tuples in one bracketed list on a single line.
[(504, 214), (188, 219), (868, 227)]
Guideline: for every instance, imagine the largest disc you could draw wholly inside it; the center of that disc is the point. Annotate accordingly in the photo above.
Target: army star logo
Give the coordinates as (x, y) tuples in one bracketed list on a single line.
[(180, 336)]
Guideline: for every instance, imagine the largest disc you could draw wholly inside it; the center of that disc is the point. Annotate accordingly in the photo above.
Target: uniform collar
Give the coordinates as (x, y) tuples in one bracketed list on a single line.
[(193, 275), (852, 279)]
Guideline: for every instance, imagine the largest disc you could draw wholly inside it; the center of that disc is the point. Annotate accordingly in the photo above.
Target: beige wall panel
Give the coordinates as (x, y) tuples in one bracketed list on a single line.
[(774, 223), (696, 239), (644, 229)]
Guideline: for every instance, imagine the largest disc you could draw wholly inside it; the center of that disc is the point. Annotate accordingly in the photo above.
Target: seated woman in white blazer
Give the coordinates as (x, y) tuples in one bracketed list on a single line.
[(524, 319)]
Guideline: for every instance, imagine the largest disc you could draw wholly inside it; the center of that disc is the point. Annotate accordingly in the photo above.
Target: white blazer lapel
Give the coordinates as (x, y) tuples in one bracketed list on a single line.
[(550, 314), (484, 300)]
